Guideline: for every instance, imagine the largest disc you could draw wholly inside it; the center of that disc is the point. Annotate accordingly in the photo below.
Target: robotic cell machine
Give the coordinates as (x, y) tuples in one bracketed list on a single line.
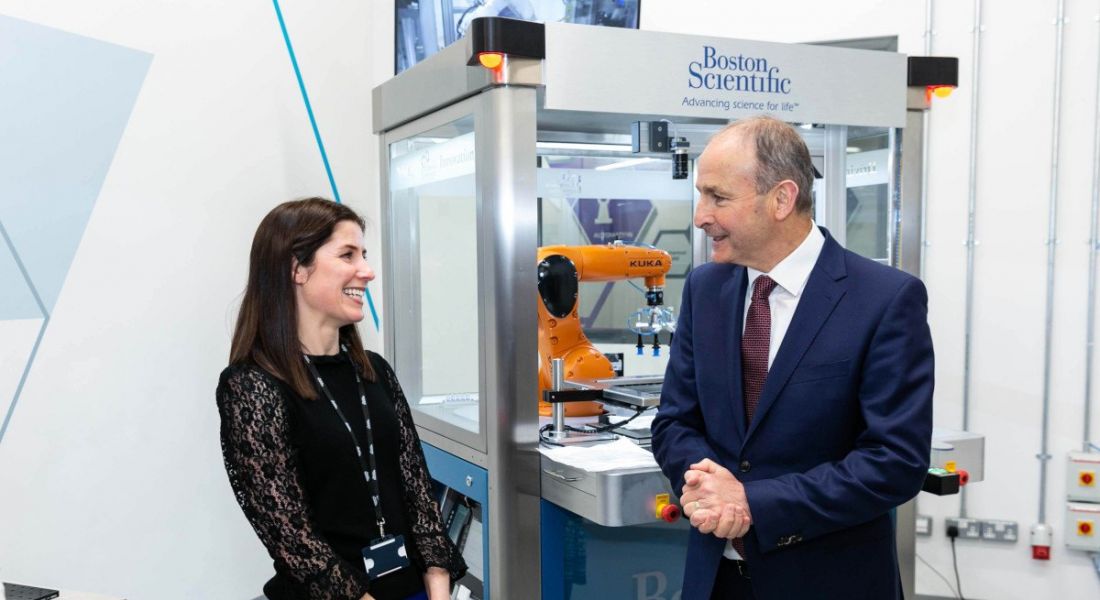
[(515, 138)]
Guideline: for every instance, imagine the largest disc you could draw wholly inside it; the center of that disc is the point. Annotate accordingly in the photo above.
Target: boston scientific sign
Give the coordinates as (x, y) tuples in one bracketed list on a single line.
[(741, 73), (618, 71), (736, 73)]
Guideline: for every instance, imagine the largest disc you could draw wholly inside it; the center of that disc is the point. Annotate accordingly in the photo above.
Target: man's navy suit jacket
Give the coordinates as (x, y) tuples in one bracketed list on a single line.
[(841, 434)]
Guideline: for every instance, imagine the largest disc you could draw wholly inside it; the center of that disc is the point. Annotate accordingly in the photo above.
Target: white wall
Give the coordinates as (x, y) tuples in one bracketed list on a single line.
[(111, 477), (1013, 189), (110, 470)]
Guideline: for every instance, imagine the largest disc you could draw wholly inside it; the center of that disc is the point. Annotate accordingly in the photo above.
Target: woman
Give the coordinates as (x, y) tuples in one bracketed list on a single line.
[(316, 433)]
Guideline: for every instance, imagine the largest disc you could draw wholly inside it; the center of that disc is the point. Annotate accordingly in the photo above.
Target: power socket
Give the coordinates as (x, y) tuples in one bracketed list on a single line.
[(924, 525), (1000, 531), (969, 529)]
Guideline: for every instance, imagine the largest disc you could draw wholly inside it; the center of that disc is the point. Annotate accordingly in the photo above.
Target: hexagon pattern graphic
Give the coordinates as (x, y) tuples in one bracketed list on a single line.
[(65, 103)]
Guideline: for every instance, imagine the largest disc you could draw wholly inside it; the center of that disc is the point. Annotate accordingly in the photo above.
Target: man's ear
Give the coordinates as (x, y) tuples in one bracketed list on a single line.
[(786, 196)]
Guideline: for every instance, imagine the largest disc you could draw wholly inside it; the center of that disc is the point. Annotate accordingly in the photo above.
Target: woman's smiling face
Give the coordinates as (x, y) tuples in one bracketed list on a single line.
[(330, 291)]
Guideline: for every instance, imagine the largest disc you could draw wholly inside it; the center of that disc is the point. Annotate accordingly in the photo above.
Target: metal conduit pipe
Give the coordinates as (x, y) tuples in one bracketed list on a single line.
[(1093, 243), (972, 202), (924, 147), (1094, 246), (1052, 243)]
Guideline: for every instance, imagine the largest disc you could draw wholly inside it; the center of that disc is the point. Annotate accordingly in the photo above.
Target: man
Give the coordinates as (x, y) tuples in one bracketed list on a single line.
[(797, 405)]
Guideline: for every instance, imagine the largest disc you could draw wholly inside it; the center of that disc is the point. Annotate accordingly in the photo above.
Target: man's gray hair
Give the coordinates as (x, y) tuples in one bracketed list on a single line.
[(781, 154)]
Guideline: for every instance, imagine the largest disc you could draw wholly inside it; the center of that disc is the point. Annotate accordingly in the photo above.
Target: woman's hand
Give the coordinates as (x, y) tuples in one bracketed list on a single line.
[(437, 582)]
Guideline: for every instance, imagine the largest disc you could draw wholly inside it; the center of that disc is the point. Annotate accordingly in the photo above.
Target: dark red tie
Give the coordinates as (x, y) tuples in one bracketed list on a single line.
[(755, 344)]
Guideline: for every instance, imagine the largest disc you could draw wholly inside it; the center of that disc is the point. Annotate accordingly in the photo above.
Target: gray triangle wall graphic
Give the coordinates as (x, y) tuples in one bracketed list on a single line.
[(66, 101)]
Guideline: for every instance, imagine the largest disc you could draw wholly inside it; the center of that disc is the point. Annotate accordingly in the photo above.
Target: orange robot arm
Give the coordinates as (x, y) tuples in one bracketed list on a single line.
[(560, 269)]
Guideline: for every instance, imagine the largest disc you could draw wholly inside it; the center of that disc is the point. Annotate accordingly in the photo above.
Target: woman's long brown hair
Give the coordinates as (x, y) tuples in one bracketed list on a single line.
[(267, 326)]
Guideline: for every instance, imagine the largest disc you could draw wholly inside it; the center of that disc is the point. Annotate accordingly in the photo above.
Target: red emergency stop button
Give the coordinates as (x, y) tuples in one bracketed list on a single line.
[(664, 509), (1084, 527), (670, 513), (1086, 478)]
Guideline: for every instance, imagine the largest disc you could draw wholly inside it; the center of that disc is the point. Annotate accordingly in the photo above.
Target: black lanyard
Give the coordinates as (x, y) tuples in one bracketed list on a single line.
[(370, 473)]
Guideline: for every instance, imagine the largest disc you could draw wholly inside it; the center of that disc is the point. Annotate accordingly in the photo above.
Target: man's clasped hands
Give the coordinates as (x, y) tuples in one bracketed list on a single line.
[(714, 500)]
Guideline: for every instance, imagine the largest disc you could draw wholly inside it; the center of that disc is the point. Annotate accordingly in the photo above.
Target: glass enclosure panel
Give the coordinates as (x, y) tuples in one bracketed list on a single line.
[(434, 212), (594, 199), (868, 192)]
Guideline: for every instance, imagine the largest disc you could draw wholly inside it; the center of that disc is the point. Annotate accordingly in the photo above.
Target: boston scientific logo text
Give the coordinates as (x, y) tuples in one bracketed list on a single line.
[(736, 73)]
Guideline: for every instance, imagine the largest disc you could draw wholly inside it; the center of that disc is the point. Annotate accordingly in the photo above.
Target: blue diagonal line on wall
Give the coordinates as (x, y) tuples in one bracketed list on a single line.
[(316, 131), (373, 312), (305, 98), (37, 340)]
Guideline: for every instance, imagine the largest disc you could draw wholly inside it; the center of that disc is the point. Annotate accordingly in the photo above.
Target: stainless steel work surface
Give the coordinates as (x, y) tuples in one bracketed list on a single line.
[(615, 498)]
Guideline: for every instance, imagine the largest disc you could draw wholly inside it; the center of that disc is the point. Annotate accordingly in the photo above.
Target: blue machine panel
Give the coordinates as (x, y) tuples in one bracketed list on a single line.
[(585, 561), (452, 472), (466, 479)]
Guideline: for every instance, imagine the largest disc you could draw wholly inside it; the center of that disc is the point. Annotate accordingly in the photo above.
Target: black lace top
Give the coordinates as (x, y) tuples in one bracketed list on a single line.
[(295, 474)]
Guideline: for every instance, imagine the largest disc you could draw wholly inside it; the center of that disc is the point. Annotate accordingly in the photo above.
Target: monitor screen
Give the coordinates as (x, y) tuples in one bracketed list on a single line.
[(423, 27)]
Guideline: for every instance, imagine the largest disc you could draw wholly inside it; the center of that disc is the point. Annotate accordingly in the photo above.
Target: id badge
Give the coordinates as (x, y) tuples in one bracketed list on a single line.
[(385, 555)]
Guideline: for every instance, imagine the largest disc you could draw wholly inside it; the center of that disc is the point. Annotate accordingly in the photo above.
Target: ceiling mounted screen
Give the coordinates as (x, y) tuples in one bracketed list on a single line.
[(423, 27)]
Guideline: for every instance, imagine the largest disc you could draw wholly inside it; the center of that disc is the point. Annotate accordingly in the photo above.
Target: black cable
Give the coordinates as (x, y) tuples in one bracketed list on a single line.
[(590, 428), (954, 594), (465, 13), (955, 561), (542, 436), (610, 426)]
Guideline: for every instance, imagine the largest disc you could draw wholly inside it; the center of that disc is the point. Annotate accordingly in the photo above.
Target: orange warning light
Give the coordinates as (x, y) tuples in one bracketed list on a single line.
[(939, 91), (491, 60)]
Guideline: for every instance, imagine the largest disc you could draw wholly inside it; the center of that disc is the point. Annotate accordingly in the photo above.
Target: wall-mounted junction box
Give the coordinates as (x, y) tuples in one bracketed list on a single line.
[(1082, 520), (1083, 477)]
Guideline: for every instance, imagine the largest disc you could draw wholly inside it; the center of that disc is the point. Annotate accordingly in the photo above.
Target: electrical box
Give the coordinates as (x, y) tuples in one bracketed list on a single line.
[(969, 529), (1082, 521), (1000, 531), (1083, 477), (924, 525), (957, 451)]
